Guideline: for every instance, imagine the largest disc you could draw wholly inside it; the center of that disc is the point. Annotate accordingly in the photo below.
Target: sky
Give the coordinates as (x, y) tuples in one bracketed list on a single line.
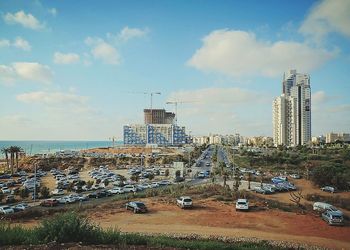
[(78, 70)]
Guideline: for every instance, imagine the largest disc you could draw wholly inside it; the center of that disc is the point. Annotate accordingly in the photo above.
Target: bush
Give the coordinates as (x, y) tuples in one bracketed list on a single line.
[(68, 227)]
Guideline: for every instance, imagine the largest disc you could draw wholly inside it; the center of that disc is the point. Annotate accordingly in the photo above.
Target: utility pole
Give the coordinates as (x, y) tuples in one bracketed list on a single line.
[(34, 182)]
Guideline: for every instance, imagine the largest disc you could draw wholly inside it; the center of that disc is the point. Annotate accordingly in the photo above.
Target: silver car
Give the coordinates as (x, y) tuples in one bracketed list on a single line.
[(333, 217)]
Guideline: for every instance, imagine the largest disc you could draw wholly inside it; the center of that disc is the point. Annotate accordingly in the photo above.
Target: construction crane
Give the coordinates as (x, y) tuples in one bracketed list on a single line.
[(175, 104), (147, 93)]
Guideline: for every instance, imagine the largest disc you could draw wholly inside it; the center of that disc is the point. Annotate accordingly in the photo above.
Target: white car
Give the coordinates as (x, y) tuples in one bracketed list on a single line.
[(20, 207), (129, 188), (6, 210), (57, 192), (116, 190), (242, 205), (6, 190)]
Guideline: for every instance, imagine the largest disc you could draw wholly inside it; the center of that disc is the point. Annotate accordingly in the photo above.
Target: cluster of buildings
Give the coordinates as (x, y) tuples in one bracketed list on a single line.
[(292, 111), (331, 138), (159, 129), (234, 140)]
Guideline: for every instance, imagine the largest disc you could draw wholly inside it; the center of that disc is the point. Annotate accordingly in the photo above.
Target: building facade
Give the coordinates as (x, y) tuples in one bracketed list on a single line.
[(333, 137), (160, 134), (292, 111), (158, 116)]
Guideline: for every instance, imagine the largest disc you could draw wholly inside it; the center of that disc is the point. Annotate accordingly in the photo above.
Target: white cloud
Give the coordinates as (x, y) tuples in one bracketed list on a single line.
[(51, 98), (31, 71), (128, 33), (69, 58), (238, 53), (103, 51), (319, 97), (7, 75), (326, 17), (4, 43), (53, 11), (20, 43), (26, 20)]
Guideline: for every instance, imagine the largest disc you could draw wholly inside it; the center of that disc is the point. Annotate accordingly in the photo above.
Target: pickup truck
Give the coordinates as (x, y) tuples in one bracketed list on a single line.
[(184, 202)]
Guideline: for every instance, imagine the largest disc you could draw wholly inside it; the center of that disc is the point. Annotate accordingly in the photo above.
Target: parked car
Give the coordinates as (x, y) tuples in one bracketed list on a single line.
[(333, 218), (116, 190), (20, 207), (184, 202), (49, 203), (259, 190), (136, 207), (242, 205), (165, 183), (6, 210), (6, 190), (295, 176), (328, 189), (322, 207), (129, 188), (179, 179), (57, 191)]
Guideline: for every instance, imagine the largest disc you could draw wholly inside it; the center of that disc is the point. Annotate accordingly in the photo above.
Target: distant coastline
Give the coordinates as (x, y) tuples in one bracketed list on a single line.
[(42, 147)]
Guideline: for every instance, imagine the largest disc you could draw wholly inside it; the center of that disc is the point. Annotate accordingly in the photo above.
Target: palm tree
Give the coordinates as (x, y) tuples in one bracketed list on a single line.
[(6, 151), (17, 150), (14, 151)]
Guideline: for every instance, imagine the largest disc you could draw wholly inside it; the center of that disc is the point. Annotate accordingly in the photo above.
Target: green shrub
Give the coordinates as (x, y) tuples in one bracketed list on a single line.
[(68, 227)]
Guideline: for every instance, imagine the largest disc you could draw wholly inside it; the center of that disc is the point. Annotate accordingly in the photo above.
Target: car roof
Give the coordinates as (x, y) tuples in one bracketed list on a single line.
[(242, 200), (339, 213), (185, 197)]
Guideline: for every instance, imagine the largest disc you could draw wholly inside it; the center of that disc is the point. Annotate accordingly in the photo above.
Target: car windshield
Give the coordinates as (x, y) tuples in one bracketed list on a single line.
[(139, 204), (337, 217), (187, 200), (241, 203)]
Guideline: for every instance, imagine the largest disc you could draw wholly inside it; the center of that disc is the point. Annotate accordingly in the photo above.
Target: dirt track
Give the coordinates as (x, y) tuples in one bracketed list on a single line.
[(216, 218)]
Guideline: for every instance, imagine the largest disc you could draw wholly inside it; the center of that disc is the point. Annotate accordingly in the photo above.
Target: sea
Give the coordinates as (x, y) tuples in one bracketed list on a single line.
[(43, 147)]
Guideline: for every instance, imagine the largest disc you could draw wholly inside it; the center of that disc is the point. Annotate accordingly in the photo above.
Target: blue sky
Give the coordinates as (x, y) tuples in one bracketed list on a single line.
[(76, 70)]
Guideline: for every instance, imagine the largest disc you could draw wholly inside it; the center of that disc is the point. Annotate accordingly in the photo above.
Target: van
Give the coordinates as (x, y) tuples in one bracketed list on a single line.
[(321, 206)]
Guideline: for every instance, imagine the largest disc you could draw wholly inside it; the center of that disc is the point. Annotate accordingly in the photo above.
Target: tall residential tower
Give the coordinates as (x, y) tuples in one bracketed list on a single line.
[(292, 111)]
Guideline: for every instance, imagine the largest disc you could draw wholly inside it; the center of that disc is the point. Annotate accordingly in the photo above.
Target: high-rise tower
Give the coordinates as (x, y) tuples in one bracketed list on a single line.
[(292, 111)]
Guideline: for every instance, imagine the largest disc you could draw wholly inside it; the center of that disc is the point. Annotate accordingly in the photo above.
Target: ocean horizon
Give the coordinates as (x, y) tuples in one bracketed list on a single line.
[(32, 147)]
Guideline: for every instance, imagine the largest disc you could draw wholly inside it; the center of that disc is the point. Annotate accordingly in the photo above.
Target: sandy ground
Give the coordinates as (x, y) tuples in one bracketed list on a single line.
[(216, 218)]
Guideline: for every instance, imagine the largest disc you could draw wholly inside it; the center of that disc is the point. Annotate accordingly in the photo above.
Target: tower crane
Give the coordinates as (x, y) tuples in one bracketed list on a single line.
[(175, 104), (147, 93), (151, 95)]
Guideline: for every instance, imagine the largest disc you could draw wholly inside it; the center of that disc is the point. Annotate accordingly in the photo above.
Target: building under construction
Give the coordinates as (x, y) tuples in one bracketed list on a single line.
[(159, 128), (158, 116)]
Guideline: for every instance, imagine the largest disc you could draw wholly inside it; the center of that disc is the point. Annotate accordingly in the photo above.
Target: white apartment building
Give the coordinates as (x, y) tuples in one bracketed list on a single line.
[(333, 137), (292, 111)]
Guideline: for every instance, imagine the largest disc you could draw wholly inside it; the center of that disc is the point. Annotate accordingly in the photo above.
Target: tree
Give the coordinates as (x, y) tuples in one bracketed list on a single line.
[(166, 172), (1, 196), (14, 151), (237, 180), (249, 179), (45, 192), (134, 178), (106, 182), (89, 184), (5, 151), (150, 177), (24, 193)]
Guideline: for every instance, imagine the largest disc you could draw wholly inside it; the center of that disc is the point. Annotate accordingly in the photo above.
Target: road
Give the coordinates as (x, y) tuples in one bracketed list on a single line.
[(203, 164)]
